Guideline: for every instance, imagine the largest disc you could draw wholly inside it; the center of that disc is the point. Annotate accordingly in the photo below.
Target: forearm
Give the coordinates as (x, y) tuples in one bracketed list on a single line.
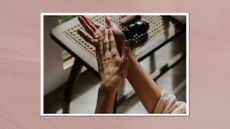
[(105, 101), (146, 89)]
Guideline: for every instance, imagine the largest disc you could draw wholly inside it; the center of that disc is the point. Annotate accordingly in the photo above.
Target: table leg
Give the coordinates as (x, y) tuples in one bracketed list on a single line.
[(74, 74), (115, 105)]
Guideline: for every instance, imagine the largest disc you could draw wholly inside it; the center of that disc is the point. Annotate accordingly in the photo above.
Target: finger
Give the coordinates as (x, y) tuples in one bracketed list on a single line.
[(100, 48), (98, 61), (108, 22), (101, 32), (125, 52), (100, 56), (87, 38), (87, 27), (90, 23), (112, 41), (106, 42), (95, 24)]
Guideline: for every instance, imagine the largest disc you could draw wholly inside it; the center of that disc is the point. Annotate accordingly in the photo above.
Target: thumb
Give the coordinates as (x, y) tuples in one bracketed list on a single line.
[(108, 22)]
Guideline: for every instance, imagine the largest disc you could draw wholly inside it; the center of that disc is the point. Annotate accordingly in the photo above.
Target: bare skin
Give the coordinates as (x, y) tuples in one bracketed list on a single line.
[(113, 69), (112, 66)]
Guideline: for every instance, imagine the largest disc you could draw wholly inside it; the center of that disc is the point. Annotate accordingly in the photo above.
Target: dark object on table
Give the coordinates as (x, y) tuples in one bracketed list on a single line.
[(138, 39), (137, 33), (138, 27)]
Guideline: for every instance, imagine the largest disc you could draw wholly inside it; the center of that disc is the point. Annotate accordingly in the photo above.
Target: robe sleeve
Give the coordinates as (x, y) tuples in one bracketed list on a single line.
[(169, 104)]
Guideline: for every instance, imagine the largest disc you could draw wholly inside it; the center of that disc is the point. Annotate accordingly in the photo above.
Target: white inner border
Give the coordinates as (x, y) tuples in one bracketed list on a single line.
[(80, 114)]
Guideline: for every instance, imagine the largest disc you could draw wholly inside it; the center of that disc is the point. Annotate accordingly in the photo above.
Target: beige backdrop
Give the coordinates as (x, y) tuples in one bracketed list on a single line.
[(20, 64)]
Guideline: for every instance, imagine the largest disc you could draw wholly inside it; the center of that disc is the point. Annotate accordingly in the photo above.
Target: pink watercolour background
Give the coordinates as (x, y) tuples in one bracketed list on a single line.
[(20, 64)]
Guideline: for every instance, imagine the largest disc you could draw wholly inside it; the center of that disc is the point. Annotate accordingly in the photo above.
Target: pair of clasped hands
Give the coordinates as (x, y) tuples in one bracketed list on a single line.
[(111, 50), (115, 63)]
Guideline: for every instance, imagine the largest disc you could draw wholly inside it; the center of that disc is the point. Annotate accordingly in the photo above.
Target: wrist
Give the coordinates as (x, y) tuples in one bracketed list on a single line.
[(112, 82), (107, 89), (105, 101)]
